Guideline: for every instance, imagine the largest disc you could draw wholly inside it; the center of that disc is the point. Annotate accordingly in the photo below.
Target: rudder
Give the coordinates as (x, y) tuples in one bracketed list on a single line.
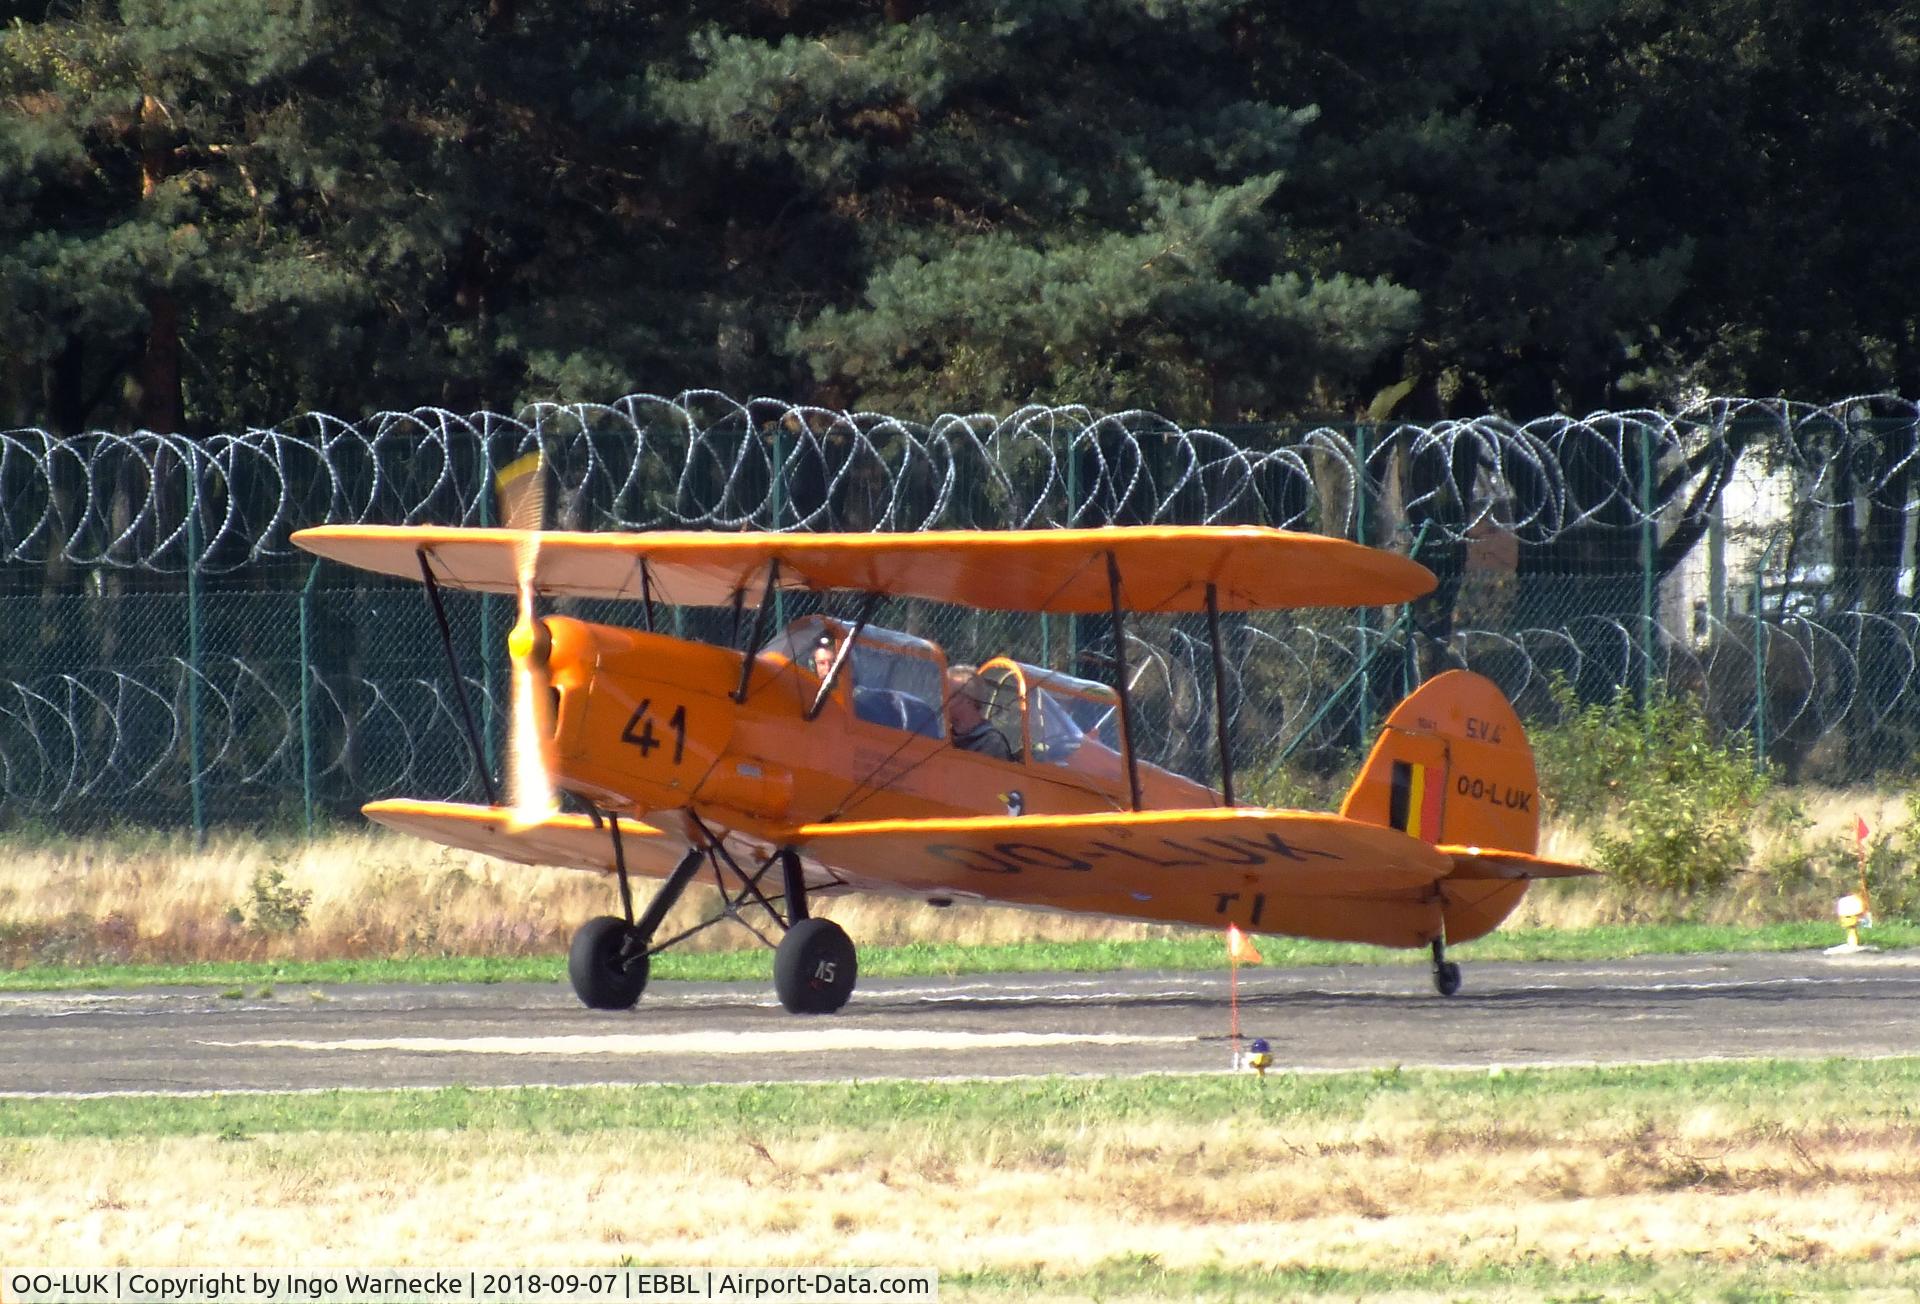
[(1452, 767)]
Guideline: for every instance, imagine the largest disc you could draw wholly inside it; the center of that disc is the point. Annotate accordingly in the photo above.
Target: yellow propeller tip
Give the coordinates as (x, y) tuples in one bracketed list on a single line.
[(530, 640), (517, 469)]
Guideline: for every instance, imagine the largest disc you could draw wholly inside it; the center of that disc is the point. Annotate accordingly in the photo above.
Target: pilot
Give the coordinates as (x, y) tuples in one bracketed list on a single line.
[(967, 722), (823, 655)]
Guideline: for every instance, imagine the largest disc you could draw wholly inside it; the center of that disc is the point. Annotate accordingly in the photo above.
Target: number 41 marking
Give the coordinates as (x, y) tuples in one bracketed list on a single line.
[(645, 739)]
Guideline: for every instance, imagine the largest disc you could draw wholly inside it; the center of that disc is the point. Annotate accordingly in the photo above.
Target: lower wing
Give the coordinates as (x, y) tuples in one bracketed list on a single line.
[(570, 841), (1275, 871)]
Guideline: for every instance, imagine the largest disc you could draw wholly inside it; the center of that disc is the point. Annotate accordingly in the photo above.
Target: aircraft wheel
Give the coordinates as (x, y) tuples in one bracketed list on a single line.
[(814, 967), (1446, 977), (604, 977)]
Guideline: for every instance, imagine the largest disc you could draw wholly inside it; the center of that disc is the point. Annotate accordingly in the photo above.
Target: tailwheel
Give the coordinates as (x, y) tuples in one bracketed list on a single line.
[(814, 967), (607, 964), (1446, 973)]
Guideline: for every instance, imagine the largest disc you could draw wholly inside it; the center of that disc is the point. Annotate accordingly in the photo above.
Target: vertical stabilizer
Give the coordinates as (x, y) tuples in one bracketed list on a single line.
[(1452, 767)]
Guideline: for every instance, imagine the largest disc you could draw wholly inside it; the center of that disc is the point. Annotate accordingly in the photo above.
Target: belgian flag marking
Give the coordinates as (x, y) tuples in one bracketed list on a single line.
[(1413, 801)]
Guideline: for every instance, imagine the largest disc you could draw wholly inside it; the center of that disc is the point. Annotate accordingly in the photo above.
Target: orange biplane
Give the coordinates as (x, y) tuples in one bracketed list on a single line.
[(834, 755)]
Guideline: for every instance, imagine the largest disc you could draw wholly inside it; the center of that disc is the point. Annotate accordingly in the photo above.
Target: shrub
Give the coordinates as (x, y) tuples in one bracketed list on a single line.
[(1678, 803), (271, 905)]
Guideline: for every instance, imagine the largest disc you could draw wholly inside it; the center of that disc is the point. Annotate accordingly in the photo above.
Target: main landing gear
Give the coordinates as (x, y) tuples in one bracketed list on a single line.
[(1446, 973), (814, 963)]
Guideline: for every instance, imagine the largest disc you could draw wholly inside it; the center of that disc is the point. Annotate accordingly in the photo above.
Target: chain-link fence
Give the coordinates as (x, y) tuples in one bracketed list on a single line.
[(166, 656)]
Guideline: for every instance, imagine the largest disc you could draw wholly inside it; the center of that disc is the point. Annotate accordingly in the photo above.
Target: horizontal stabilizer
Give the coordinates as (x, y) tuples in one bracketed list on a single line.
[(1480, 863), (567, 841), (1162, 568)]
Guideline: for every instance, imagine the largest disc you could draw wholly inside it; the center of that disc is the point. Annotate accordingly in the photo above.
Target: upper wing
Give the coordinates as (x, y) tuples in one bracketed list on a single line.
[(1162, 568), (566, 840), (1277, 871)]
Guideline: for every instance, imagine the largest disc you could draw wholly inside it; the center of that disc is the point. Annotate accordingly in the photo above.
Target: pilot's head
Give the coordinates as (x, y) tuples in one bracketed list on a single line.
[(823, 655)]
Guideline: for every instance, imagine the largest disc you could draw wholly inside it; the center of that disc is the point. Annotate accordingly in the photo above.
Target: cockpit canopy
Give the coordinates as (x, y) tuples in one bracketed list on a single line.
[(898, 680)]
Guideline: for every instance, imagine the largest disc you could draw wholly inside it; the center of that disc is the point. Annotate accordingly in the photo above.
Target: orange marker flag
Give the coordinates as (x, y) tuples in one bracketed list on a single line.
[(1859, 829), (1240, 947)]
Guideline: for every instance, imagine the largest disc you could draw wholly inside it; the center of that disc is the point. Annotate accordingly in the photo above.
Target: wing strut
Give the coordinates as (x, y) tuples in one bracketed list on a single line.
[(1120, 684), (1220, 696), (760, 618), (459, 680)]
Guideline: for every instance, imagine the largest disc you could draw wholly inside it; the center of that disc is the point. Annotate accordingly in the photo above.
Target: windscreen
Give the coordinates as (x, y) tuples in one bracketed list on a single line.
[(1063, 722)]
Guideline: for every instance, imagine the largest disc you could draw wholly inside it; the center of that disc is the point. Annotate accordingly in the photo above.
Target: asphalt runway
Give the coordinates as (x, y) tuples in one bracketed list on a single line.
[(304, 1038)]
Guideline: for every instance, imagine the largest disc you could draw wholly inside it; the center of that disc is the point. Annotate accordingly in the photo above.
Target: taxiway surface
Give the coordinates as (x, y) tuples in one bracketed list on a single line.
[(307, 1037)]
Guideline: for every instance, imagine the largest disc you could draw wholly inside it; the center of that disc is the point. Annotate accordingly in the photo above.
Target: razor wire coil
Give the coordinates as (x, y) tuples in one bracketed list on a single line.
[(104, 712), (701, 461)]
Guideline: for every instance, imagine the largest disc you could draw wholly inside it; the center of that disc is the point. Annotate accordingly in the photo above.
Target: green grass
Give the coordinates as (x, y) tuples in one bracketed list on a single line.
[(944, 959), (1612, 1281), (1782, 1091)]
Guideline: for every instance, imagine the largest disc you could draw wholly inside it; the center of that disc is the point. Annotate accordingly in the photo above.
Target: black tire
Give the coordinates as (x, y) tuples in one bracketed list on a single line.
[(1446, 978), (603, 977), (814, 967)]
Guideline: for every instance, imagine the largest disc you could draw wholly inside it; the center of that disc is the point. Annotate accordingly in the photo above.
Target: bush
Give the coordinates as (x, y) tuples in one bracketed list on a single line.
[(271, 905), (1678, 803), (1893, 881)]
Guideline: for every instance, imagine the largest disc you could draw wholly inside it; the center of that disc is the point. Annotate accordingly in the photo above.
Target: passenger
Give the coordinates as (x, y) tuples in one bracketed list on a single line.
[(967, 720)]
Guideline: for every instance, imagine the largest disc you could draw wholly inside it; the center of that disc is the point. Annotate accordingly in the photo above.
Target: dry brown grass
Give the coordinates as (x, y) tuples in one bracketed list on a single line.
[(1393, 1192), (374, 893), (378, 894)]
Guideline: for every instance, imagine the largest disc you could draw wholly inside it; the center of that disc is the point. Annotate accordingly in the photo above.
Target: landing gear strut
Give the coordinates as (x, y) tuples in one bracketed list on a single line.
[(610, 956), (1446, 974), (814, 964)]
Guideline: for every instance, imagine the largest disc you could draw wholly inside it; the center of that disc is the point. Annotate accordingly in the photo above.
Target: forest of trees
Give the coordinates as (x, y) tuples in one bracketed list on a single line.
[(218, 213)]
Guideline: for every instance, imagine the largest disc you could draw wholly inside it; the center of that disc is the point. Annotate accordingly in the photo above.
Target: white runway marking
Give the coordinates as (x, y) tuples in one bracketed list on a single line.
[(800, 1041)]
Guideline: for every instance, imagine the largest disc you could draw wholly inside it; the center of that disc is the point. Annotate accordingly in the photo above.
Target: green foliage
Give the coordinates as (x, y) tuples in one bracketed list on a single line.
[(1216, 210), (1286, 786), (272, 907), (1677, 802)]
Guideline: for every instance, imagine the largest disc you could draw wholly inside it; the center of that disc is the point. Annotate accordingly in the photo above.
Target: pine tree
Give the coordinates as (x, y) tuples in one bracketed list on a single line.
[(987, 204)]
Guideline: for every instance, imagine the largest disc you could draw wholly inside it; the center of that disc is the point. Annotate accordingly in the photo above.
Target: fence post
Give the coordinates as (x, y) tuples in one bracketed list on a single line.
[(779, 505), (1365, 620), (1760, 660), (486, 612), (306, 696), (1072, 666), (195, 785), (1410, 663), (1046, 623), (1646, 565)]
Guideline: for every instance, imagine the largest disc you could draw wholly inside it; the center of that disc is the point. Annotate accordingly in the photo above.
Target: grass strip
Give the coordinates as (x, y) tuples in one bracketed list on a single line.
[(1786, 1091), (1615, 1279), (946, 959)]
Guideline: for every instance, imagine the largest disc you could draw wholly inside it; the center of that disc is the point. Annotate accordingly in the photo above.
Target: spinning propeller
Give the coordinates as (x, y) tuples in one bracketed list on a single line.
[(522, 489)]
